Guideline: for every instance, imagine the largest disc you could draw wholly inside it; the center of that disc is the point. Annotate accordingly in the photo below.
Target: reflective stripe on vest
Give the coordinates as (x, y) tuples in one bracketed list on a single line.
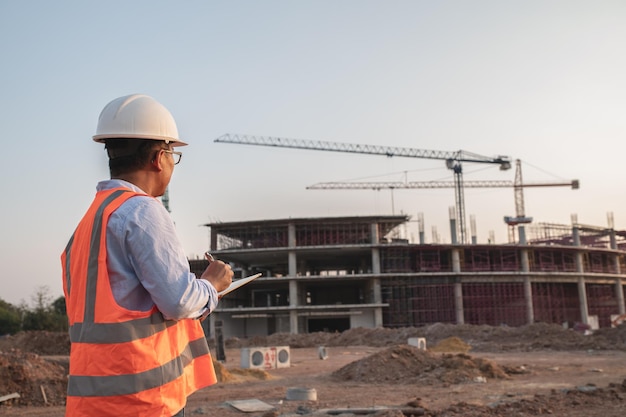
[(139, 361)]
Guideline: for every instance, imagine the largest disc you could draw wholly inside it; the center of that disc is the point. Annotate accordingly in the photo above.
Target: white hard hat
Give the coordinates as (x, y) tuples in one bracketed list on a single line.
[(137, 116)]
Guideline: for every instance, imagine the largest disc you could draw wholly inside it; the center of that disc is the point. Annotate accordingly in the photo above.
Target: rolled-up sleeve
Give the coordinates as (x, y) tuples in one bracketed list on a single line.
[(151, 250)]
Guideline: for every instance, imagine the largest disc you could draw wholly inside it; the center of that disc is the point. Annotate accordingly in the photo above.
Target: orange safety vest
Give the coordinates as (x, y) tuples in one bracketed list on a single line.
[(123, 362)]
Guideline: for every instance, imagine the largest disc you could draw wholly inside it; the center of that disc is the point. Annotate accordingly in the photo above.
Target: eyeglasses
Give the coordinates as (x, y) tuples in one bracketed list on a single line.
[(175, 154)]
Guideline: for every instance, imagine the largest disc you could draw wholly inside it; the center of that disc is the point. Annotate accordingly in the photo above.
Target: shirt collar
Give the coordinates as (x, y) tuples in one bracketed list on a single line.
[(117, 183)]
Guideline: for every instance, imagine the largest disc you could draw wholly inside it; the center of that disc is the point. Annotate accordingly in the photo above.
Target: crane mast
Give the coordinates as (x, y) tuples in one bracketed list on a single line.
[(453, 159)]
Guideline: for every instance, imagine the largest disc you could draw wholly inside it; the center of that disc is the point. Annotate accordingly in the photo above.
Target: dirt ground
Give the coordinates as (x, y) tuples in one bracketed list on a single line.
[(466, 371)]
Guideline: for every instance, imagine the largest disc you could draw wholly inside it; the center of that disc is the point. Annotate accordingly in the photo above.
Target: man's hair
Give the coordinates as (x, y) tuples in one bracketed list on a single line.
[(128, 155)]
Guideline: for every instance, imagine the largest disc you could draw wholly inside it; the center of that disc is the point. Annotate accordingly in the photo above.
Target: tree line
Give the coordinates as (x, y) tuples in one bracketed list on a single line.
[(46, 313)]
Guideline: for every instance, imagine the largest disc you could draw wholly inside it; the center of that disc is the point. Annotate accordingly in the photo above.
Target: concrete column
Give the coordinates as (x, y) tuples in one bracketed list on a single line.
[(528, 289), (453, 237), (291, 235), (375, 282), (582, 290), (294, 293), (521, 232), (213, 239), (619, 290), (612, 239), (294, 301), (378, 298), (458, 287), (375, 261), (374, 238), (293, 264), (582, 299)]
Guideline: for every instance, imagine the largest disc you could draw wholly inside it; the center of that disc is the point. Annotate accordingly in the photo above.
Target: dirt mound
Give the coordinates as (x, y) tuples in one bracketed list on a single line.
[(579, 401), (405, 364), (39, 342), (238, 375), (36, 380), (451, 344), (481, 338)]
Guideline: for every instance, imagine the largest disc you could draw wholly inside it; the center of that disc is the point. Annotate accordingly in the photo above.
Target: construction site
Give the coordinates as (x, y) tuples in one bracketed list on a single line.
[(334, 274), (529, 327), (337, 273)]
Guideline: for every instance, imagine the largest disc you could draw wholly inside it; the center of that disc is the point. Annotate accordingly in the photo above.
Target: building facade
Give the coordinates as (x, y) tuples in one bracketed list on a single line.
[(333, 274)]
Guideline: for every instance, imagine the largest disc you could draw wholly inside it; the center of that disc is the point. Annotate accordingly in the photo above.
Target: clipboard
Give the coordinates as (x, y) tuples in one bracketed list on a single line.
[(237, 284)]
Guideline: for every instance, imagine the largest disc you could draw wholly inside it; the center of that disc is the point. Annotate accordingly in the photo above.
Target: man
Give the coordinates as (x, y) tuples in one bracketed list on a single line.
[(137, 345)]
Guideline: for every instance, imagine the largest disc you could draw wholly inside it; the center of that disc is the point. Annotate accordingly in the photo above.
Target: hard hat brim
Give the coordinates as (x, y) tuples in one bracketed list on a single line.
[(169, 140)]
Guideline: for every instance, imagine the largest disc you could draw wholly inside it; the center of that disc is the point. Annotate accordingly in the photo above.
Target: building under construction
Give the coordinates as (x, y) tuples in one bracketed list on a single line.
[(332, 274)]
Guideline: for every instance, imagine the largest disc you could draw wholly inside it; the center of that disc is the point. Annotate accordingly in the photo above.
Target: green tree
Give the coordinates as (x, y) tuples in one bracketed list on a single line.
[(47, 314), (10, 322), (59, 307)]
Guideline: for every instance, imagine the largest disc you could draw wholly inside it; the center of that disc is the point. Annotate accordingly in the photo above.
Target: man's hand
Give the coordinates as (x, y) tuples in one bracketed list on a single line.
[(219, 274)]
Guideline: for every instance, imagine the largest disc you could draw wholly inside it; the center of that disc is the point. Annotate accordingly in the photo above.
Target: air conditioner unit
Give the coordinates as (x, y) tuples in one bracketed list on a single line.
[(254, 358), (283, 357), (265, 357)]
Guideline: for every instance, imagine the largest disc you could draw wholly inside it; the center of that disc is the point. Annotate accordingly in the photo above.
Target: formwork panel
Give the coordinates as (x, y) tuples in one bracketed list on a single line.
[(250, 236), (416, 304), (431, 260), (476, 260), (556, 302), (505, 260), (325, 234), (552, 260), (395, 259), (602, 302), (622, 262), (593, 262), (494, 304)]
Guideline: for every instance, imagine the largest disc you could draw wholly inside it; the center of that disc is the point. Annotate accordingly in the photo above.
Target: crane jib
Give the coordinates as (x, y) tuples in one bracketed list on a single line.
[(389, 151), (453, 159)]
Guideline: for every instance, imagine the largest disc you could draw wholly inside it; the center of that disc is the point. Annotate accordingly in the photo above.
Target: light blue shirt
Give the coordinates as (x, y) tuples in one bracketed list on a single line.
[(146, 261)]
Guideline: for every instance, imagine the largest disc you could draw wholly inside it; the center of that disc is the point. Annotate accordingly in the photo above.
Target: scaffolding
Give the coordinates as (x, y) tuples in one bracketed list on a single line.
[(249, 237), (556, 302), (417, 302), (552, 260), (332, 234), (494, 304), (480, 259), (432, 261), (308, 232), (395, 259), (353, 269), (560, 234), (602, 302)]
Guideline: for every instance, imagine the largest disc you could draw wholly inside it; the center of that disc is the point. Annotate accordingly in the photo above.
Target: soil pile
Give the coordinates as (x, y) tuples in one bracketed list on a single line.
[(451, 344), (34, 364), (481, 338), (405, 364), (39, 342), (36, 380), (239, 375), (581, 401)]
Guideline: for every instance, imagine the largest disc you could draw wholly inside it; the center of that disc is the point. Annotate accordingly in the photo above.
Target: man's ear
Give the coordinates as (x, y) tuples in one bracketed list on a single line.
[(156, 162)]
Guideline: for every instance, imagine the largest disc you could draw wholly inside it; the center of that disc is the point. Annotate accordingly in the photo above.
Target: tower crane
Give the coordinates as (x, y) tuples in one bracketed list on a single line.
[(520, 212), (518, 185), (453, 159)]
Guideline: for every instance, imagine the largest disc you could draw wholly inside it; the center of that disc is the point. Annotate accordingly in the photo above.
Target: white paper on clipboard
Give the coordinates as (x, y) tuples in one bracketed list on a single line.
[(239, 283)]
